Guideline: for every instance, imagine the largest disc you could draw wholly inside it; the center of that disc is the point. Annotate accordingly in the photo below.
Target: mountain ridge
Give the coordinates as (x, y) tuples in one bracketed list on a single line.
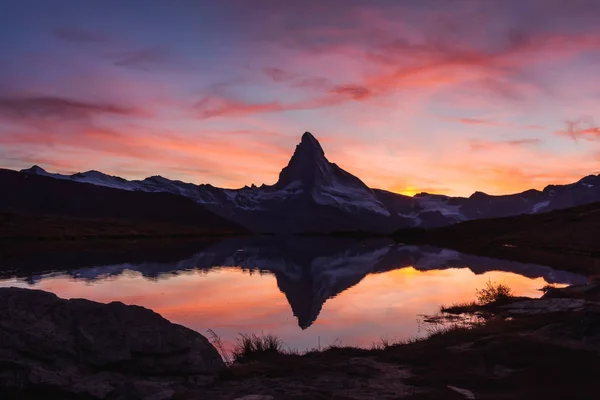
[(55, 208), (313, 194)]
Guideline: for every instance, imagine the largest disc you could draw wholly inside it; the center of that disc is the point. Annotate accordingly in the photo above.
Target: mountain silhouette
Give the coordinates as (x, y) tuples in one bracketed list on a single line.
[(32, 195), (315, 195)]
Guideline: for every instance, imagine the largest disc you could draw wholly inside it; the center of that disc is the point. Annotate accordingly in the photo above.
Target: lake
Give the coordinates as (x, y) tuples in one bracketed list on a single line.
[(309, 291)]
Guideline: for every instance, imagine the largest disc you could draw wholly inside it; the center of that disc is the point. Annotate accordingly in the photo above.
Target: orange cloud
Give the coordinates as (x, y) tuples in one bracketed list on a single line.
[(477, 145), (211, 158), (488, 122), (494, 167)]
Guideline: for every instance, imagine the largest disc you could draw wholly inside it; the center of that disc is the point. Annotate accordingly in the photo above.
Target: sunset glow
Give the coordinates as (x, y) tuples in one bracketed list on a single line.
[(443, 97)]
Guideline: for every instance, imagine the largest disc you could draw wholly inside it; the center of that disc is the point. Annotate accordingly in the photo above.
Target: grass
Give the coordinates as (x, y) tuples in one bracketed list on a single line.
[(495, 357), (492, 295), (459, 317), (218, 343), (250, 347), (462, 317), (386, 343), (467, 307)]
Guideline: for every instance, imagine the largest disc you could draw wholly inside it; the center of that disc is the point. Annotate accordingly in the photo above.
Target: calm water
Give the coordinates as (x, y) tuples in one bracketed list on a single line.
[(305, 290)]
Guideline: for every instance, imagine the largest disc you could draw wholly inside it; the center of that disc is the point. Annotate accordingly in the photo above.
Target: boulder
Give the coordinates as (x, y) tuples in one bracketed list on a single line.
[(86, 348)]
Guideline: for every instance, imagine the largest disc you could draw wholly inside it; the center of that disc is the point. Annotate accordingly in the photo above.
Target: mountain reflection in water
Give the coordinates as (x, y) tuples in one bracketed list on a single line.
[(307, 270)]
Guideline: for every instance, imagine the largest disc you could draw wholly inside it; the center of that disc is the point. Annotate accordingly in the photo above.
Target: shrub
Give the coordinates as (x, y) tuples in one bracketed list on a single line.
[(494, 293)]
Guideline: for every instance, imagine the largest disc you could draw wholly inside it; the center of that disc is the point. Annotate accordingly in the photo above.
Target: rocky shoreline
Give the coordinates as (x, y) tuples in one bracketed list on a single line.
[(79, 348), (51, 347)]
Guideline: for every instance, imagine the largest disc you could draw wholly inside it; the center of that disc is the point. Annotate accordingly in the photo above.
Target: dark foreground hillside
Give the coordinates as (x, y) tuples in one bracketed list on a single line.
[(566, 239), (522, 348), (40, 207)]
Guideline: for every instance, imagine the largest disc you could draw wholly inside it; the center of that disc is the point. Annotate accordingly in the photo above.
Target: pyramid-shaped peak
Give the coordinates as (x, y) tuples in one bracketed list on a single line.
[(310, 143), (307, 165), (308, 137)]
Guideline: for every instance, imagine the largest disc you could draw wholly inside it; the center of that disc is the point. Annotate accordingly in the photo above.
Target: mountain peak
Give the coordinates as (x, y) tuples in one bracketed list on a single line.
[(36, 169), (310, 143), (306, 165)]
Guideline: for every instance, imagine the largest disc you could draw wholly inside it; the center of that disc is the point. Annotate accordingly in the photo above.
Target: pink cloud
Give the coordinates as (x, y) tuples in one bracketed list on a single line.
[(226, 106), (30, 108), (418, 66), (583, 128), (374, 79), (355, 92)]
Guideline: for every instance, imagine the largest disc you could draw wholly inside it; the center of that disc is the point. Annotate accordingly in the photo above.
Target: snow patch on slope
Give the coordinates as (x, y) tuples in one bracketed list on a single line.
[(539, 206), (348, 198), (436, 203), (254, 198), (100, 179)]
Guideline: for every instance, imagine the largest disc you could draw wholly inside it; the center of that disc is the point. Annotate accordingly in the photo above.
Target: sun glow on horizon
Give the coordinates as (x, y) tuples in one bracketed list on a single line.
[(409, 191), (403, 102)]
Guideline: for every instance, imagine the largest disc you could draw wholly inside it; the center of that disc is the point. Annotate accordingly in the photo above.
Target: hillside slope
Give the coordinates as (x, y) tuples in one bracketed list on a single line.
[(557, 238), (66, 204)]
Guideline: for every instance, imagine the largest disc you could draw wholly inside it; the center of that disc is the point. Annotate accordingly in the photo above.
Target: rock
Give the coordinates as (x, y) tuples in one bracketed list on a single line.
[(541, 306), (588, 291), (87, 348), (581, 332)]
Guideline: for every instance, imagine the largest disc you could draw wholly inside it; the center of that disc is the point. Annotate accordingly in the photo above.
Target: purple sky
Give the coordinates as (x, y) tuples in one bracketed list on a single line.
[(444, 96)]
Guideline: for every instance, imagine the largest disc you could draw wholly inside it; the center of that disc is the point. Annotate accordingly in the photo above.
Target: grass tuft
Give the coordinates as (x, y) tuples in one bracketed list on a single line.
[(460, 308), (385, 343), (250, 347), (218, 343)]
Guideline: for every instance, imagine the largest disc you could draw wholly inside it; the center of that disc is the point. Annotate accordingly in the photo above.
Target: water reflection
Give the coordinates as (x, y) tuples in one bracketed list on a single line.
[(234, 285)]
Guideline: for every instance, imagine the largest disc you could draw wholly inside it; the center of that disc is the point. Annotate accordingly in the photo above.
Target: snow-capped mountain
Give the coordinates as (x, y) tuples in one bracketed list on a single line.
[(327, 184), (314, 195)]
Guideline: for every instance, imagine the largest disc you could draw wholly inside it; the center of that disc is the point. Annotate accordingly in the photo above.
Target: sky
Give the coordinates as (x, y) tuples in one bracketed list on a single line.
[(442, 96)]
